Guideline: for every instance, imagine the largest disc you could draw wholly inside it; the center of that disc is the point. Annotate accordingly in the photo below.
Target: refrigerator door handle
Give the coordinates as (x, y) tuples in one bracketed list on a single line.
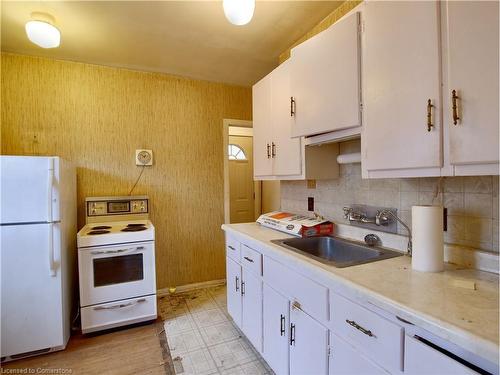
[(52, 267), (50, 184)]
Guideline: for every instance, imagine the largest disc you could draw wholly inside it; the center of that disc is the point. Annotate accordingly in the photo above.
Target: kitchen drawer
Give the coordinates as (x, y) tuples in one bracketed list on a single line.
[(422, 358), (251, 260), (118, 313), (373, 335), (233, 248), (312, 297)]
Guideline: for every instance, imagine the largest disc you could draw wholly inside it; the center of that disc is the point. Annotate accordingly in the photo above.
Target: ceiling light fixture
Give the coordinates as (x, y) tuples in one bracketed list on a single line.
[(238, 12), (41, 31)]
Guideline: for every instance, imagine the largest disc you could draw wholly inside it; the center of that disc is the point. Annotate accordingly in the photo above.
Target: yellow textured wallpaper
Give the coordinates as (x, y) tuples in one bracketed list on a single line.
[(97, 116)]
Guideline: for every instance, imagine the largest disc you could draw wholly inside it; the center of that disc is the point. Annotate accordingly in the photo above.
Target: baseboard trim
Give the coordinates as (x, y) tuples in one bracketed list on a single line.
[(188, 287)]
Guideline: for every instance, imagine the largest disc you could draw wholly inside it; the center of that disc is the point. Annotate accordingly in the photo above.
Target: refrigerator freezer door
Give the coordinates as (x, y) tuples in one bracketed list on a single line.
[(31, 305), (29, 189)]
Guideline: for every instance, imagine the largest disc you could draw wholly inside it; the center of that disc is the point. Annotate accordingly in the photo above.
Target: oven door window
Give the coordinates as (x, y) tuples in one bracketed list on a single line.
[(117, 270)]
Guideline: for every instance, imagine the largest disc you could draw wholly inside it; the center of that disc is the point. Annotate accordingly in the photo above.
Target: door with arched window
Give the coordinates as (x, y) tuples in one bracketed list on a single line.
[(241, 184)]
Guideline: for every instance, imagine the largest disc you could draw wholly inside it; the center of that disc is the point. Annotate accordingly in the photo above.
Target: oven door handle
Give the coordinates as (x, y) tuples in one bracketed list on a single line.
[(121, 305), (119, 251)]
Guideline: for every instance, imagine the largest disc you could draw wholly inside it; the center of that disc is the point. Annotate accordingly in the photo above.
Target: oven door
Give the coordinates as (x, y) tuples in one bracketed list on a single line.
[(111, 273)]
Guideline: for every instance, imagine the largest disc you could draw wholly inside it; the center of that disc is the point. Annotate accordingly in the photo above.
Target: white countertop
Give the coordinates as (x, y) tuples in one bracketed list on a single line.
[(469, 318)]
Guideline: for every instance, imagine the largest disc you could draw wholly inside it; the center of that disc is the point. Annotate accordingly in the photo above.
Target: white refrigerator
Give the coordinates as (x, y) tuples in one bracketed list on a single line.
[(38, 249)]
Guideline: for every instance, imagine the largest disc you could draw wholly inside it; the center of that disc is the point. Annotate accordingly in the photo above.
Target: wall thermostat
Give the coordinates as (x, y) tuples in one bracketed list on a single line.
[(143, 157)]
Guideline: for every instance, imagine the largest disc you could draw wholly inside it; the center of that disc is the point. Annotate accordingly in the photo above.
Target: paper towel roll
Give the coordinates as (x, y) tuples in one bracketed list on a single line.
[(427, 230)]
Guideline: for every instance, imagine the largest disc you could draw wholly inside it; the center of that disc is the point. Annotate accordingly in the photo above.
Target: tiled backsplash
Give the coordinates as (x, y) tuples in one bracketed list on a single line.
[(472, 202)]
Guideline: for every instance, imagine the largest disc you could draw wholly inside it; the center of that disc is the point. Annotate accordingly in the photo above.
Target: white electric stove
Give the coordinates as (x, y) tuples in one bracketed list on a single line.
[(116, 263)]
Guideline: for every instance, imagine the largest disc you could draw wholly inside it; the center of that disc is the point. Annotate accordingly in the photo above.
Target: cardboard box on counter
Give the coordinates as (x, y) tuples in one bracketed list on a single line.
[(296, 225)]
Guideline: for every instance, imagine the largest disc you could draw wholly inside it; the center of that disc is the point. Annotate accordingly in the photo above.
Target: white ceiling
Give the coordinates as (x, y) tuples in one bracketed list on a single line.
[(187, 38)]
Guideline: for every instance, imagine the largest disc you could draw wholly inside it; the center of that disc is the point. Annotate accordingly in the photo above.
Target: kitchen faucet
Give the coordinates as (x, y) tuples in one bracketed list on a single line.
[(382, 217)]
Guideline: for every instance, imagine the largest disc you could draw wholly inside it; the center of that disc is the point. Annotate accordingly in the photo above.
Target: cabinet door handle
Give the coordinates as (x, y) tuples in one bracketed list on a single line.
[(292, 106), (242, 288), (454, 107), (359, 328), (237, 283), (430, 125), (292, 334), (282, 325), (248, 259), (268, 151), (273, 152)]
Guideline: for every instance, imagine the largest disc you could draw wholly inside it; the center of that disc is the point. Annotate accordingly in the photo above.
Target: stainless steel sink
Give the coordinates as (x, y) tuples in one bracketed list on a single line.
[(336, 251)]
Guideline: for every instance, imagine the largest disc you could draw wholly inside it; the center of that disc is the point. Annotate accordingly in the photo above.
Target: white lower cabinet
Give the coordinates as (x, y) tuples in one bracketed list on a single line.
[(422, 358), (251, 315), (276, 322), (308, 345), (346, 360), (302, 328), (233, 279)]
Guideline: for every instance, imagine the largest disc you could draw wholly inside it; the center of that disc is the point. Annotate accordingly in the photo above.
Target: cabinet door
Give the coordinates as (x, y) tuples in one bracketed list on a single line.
[(251, 318), (262, 127), (325, 80), (308, 345), (423, 359), (401, 73), (276, 322), (472, 50), (286, 150), (346, 360), (233, 275)]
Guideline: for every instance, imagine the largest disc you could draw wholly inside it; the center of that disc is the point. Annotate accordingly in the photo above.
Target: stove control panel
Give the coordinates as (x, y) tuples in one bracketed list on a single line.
[(110, 206)]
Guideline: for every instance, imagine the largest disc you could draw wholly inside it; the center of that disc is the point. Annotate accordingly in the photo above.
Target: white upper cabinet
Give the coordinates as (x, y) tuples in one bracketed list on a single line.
[(285, 150), (276, 154), (471, 47), (401, 86), (325, 80), (262, 127)]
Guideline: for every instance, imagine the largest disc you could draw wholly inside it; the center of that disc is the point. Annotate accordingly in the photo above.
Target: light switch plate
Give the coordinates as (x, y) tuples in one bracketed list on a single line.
[(143, 157)]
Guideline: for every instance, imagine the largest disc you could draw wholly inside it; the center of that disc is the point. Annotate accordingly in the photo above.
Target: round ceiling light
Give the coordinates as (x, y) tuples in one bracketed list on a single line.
[(238, 12), (43, 34)]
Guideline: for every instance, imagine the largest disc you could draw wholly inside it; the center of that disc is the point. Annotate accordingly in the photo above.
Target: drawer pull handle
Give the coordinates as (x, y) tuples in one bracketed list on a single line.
[(454, 106), (292, 334), (359, 328), (119, 306), (237, 283), (282, 325), (248, 259), (232, 248), (296, 305), (430, 125)]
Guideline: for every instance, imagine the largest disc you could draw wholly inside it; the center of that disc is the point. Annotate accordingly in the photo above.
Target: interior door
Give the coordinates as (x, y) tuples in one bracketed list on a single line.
[(251, 322), (31, 308), (401, 73), (233, 275), (276, 330), (285, 150), (262, 127), (241, 184), (325, 80), (308, 345), (27, 184), (472, 50)]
